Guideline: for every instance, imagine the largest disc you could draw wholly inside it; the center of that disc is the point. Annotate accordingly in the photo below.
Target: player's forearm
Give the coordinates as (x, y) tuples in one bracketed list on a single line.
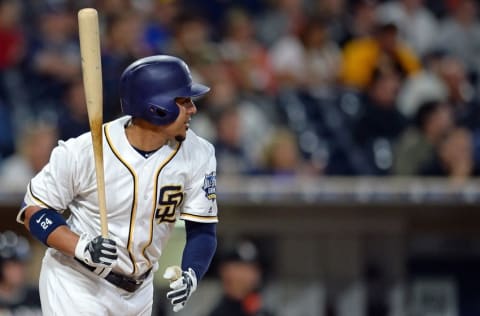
[(61, 238), (64, 240), (200, 247)]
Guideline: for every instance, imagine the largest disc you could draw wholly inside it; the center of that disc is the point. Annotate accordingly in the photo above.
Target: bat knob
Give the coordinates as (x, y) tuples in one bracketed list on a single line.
[(172, 273), (87, 12)]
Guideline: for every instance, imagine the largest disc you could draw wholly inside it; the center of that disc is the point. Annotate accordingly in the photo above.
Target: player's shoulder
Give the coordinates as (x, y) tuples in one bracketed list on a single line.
[(196, 148), (85, 139), (76, 144), (117, 124), (197, 145)]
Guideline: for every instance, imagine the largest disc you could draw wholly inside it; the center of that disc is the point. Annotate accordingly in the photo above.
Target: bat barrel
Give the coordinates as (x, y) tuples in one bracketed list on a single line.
[(92, 81)]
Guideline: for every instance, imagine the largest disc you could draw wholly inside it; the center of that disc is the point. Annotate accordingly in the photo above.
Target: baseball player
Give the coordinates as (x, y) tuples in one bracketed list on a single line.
[(156, 171)]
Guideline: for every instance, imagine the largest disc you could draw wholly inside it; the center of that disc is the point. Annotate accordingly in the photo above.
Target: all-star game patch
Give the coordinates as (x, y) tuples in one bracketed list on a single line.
[(210, 185)]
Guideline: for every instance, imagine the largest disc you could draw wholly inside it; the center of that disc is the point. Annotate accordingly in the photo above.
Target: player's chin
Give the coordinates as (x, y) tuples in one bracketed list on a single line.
[(182, 134), (180, 137)]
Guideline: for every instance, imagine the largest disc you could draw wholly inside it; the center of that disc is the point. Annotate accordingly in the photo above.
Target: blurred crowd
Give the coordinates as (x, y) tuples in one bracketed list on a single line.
[(17, 297), (319, 87)]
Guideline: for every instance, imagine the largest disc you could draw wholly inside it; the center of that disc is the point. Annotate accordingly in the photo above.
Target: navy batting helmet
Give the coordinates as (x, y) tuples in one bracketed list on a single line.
[(149, 87)]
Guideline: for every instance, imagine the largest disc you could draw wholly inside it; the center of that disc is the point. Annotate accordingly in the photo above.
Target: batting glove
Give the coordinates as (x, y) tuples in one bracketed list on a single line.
[(96, 252), (182, 283)]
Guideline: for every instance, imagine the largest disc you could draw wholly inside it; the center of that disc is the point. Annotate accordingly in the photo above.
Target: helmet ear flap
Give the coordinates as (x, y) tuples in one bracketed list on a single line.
[(158, 111)]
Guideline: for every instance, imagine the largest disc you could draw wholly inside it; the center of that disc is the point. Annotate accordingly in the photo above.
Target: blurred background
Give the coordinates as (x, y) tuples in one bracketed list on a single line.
[(346, 132)]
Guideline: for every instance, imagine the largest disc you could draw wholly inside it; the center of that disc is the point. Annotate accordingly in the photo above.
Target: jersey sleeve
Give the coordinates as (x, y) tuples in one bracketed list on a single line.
[(200, 203), (53, 186)]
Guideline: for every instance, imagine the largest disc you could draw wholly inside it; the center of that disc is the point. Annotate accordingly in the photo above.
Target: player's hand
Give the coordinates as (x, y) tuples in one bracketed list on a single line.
[(96, 252), (182, 283)]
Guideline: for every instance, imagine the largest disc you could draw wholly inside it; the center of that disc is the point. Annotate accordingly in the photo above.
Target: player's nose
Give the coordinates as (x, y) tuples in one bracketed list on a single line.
[(192, 109)]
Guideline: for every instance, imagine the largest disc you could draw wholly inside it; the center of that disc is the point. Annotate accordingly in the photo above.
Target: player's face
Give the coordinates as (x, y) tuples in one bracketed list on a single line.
[(178, 129)]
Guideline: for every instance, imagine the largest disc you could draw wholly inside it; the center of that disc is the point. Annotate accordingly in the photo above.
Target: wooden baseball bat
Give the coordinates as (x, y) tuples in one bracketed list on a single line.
[(92, 83)]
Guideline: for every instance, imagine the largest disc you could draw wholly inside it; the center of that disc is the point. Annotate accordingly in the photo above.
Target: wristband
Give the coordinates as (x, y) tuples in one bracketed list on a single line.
[(44, 222)]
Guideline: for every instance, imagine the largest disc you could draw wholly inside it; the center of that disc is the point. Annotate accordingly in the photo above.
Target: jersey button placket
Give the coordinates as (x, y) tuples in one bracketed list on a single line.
[(145, 177)]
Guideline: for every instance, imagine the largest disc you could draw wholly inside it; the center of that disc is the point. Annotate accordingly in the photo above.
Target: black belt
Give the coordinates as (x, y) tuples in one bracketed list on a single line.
[(119, 280)]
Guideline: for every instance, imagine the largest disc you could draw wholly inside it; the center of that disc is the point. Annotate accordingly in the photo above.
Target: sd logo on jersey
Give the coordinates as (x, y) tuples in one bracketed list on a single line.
[(210, 185), (171, 196)]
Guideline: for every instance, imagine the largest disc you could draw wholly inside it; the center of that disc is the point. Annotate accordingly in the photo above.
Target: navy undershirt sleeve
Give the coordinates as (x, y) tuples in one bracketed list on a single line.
[(200, 247)]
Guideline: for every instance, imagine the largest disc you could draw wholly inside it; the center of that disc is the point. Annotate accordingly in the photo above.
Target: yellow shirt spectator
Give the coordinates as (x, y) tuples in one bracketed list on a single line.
[(361, 57)]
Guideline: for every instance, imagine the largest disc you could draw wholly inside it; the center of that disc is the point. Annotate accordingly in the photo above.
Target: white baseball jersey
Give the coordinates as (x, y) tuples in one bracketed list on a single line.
[(144, 196)]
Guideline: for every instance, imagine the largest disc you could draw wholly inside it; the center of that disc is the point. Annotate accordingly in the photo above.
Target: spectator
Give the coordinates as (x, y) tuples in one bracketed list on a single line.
[(55, 57), (416, 146), (246, 57), (444, 78), (416, 24), (111, 8), (73, 119), (13, 51), (454, 157), (461, 94), (255, 125), (231, 156), (426, 85), (215, 10), (123, 45), (362, 21), (283, 18), (240, 274), (159, 29), (33, 151), (193, 44), (11, 34), (16, 297), (381, 122), (363, 56), (282, 156), (310, 61), (6, 132), (460, 34), (334, 13), (224, 93)]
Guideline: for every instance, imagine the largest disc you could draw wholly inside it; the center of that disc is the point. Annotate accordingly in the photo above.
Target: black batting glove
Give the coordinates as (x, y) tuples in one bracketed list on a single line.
[(96, 252)]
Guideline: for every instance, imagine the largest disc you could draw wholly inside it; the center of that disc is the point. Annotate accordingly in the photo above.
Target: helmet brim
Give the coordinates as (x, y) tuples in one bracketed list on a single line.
[(167, 101), (195, 90)]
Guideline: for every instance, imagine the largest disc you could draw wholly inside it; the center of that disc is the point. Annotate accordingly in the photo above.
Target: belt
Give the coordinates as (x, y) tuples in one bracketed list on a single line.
[(119, 280)]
